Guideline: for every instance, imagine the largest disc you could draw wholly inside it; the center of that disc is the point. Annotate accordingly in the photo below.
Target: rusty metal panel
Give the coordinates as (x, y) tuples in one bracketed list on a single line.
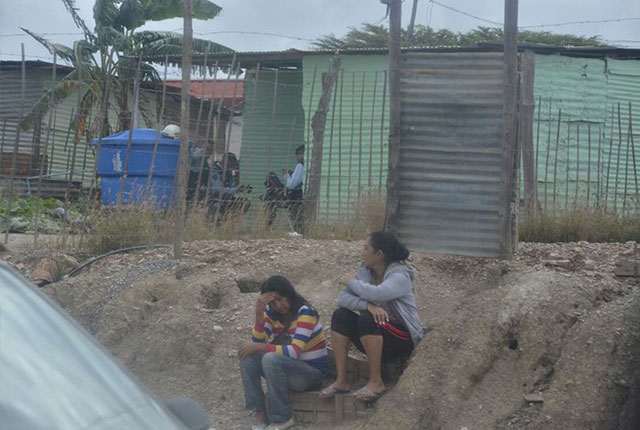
[(450, 152)]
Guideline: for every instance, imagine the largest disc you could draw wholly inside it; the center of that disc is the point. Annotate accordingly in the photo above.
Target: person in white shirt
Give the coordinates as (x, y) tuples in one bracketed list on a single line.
[(293, 189)]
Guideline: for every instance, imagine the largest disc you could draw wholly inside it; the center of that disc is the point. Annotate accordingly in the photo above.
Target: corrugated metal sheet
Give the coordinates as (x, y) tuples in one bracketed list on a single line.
[(578, 87), (450, 152), (61, 142), (588, 91), (270, 137), (623, 92), (355, 148)]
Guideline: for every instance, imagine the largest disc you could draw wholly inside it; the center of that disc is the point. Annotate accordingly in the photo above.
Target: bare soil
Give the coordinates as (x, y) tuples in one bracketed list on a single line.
[(555, 322)]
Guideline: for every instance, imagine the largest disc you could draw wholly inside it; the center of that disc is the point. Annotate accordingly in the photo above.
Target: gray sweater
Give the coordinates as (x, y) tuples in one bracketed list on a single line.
[(396, 290)]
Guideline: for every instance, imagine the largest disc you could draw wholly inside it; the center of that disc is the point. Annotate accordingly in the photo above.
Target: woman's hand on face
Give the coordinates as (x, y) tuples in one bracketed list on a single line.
[(346, 279), (263, 301), (380, 316), (249, 348)]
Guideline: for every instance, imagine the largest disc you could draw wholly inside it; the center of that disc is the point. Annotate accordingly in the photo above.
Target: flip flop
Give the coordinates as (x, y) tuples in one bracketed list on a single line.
[(368, 395), (331, 391)]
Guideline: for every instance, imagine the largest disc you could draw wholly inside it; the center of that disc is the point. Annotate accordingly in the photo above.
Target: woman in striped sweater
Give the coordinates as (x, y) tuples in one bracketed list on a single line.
[(288, 348)]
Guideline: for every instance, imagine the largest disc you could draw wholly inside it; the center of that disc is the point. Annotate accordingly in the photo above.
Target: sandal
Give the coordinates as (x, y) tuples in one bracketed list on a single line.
[(331, 391), (368, 395)]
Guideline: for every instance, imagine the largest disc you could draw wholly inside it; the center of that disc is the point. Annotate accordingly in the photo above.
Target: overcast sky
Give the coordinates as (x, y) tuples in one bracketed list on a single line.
[(310, 19)]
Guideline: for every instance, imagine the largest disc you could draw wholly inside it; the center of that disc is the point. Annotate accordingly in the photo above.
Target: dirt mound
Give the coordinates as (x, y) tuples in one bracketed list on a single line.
[(498, 331)]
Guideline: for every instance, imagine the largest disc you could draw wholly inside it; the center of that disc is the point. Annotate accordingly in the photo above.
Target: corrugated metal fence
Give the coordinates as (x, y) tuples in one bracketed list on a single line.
[(450, 152)]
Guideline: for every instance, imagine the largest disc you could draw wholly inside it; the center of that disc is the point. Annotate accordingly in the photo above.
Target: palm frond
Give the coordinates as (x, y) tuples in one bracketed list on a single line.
[(167, 9), (105, 14), (168, 43), (62, 51), (73, 11), (110, 36), (131, 14)]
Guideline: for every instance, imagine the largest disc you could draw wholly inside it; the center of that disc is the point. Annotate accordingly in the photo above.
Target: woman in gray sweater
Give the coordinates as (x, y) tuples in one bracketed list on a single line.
[(377, 313)]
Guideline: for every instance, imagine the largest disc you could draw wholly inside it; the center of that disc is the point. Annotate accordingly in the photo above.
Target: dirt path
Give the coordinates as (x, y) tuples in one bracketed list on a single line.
[(553, 322)]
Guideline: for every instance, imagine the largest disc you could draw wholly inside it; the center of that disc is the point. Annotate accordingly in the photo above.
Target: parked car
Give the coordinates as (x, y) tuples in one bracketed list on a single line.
[(54, 375)]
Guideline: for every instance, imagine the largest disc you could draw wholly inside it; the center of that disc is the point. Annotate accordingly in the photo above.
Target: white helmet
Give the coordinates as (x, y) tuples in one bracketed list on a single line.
[(172, 131)]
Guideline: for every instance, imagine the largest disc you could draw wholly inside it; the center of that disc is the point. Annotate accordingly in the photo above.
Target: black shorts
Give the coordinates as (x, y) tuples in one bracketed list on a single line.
[(397, 341)]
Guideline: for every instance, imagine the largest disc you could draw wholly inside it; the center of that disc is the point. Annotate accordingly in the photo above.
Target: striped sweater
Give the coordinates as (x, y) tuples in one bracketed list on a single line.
[(308, 342)]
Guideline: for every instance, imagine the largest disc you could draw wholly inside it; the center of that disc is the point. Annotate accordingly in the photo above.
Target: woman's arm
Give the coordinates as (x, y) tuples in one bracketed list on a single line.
[(295, 179), (348, 300), (395, 286), (306, 328), (262, 327)]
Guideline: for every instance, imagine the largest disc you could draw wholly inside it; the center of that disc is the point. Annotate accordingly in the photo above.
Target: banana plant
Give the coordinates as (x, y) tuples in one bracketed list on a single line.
[(111, 52)]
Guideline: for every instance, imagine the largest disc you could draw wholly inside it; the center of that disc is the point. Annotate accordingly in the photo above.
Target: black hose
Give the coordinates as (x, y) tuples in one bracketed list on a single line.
[(117, 251)]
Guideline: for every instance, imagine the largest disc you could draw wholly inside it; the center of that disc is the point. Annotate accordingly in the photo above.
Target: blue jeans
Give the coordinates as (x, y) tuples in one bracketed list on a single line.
[(283, 374)]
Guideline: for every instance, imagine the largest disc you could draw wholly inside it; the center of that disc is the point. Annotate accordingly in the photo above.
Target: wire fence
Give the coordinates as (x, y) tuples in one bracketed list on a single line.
[(261, 114), (49, 145)]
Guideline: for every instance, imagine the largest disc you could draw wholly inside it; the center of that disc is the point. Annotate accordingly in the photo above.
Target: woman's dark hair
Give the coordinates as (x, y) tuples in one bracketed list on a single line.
[(388, 243), (282, 286)]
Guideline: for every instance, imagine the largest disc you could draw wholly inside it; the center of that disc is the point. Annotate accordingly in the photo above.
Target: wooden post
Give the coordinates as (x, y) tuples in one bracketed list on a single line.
[(158, 127), (599, 187), (184, 126), (340, 146), (353, 126), (373, 110), (256, 80), (633, 156), (16, 145), (273, 118), (203, 73), (626, 167), (548, 156), (305, 183), (606, 192), (207, 134), (382, 118), (72, 160), (216, 128), (527, 67), (588, 162), (364, 75), (555, 163), (329, 160), (318, 125), (393, 175), (615, 185), (4, 131), (132, 124), (36, 215), (510, 126), (566, 188), (227, 137), (575, 199)]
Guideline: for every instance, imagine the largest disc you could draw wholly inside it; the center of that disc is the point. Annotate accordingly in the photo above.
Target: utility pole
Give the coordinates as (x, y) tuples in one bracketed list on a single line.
[(509, 147), (414, 9), (184, 127), (393, 177)]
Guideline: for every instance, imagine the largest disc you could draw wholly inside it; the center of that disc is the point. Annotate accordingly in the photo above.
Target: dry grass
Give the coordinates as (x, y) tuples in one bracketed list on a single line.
[(365, 216), (579, 224), (120, 228), (141, 225)]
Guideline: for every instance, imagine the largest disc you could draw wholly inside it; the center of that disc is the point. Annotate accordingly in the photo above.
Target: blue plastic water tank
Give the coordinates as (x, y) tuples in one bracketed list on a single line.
[(111, 168)]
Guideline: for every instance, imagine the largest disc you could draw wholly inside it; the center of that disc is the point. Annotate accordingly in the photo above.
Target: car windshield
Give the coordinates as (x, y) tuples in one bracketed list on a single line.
[(53, 375)]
